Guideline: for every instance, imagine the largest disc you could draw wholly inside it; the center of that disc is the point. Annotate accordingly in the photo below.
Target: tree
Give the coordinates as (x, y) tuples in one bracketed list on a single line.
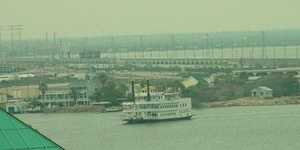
[(102, 78), (282, 85), (108, 89), (35, 103)]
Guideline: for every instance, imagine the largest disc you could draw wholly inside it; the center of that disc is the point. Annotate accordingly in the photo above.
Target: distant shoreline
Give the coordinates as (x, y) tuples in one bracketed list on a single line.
[(256, 101), (75, 109), (246, 101)]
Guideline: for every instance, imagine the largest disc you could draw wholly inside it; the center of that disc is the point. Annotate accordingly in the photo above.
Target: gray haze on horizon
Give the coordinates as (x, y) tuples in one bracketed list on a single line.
[(114, 17)]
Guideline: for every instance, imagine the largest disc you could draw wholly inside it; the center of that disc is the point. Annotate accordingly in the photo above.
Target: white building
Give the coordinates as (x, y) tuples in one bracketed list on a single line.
[(64, 94), (16, 106), (262, 91), (3, 98)]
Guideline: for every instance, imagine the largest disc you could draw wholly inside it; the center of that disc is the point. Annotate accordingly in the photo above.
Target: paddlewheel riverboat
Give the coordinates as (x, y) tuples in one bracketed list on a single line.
[(149, 106)]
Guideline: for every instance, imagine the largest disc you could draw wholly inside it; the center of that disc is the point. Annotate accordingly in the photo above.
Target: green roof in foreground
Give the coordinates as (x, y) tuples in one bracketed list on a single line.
[(16, 135)]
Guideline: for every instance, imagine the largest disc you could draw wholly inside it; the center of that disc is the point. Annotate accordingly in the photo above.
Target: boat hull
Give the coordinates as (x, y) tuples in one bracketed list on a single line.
[(133, 121)]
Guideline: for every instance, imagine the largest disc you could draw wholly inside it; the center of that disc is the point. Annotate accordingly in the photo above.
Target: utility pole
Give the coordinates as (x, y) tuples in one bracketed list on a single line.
[(252, 51), (46, 37), (244, 45), (207, 44), (202, 47), (173, 45), (142, 47), (13, 29), (54, 45), (222, 49), (263, 44), (112, 47), (19, 30), (232, 50), (55, 42), (135, 49), (274, 55), (212, 49), (54, 37), (285, 50), (297, 52), (47, 42), (173, 41), (3, 52), (1, 38)]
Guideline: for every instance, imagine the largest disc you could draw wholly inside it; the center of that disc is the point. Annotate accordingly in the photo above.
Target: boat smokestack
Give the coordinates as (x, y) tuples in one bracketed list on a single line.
[(148, 91), (132, 90)]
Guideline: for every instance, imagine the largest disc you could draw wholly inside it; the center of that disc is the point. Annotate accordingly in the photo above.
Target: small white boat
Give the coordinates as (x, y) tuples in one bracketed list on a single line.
[(113, 109)]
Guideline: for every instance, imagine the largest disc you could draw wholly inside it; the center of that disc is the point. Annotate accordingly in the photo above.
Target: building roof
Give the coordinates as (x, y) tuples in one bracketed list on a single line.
[(78, 84), (252, 78), (21, 91), (191, 81), (101, 103), (297, 76), (4, 94), (263, 88), (15, 134), (58, 87)]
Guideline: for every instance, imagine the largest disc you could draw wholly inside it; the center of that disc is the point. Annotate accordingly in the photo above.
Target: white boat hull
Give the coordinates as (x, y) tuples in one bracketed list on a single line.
[(141, 120)]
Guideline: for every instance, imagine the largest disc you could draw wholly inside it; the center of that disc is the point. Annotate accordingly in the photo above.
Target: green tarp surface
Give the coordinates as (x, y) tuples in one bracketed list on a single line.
[(16, 135)]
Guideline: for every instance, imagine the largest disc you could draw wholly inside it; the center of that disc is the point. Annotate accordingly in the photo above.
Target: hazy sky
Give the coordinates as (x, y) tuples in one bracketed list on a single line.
[(95, 17)]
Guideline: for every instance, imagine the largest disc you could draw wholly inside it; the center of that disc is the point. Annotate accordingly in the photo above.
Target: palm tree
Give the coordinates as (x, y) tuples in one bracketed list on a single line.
[(43, 87), (75, 94)]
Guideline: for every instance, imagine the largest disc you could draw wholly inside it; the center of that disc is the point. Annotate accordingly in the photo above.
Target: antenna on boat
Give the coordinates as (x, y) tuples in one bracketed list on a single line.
[(132, 90), (148, 91)]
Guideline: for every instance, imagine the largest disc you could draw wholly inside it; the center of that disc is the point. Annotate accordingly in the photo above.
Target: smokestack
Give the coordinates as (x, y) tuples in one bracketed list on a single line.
[(148, 91), (132, 90)]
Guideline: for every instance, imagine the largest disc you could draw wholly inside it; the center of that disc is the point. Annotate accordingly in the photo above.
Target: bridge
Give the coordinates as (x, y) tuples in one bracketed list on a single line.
[(294, 70), (182, 62)]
